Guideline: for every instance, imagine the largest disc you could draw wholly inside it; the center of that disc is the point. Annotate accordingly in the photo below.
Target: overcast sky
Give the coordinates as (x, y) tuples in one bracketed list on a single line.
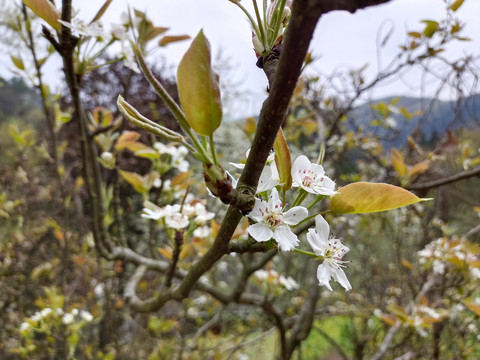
[(341, 40)]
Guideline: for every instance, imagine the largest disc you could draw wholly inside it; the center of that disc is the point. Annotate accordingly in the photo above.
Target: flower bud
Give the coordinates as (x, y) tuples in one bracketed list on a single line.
[(219, 183), (107, 159)]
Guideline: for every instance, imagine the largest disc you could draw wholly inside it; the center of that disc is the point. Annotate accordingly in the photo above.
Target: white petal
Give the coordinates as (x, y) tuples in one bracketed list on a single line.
[(316, 242), (340, 277), (295, 215), (301, 163), (267, 181), (323, 275), (274, 203), (233, 179), (260, 232), (237, 165), (322, 227), (326, 187), (317, 169), (258, 210), (285, 238)]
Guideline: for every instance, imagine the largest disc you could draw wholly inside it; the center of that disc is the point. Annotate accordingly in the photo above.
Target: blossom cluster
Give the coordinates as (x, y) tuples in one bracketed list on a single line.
[(273, 222), (34, 323), (176, 155), (443, 253), (118, 32), (180, 216), (273, 277)]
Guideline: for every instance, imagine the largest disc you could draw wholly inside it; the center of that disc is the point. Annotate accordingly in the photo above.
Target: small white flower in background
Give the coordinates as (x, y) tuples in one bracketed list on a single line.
[(37, 316), (177, 155), (45, 312), (80, 27), (273, 223), (289, 283), (129, 59), (202, 214), (24, 326), (178, 159), (331, 251), (275, 278), (152, 211), (176, 221), (311, 177), (68, 319), (86, 315)]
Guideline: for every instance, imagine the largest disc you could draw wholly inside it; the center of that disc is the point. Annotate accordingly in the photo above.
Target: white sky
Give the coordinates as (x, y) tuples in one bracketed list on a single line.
[(341, 40)]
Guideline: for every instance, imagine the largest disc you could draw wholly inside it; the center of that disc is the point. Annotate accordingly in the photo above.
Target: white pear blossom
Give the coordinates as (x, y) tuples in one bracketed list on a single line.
[(269, 178), (68, 319), (202, 232), (275, 278), (86, 315), (177, 155), (202, 214), (272, 222), (311, 177), (80, 27), (331, 251), (25, 326), (176, 221)]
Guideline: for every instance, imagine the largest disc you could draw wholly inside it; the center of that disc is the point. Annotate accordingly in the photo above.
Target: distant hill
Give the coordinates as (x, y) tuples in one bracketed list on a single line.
[(434, 118), (17, 99)]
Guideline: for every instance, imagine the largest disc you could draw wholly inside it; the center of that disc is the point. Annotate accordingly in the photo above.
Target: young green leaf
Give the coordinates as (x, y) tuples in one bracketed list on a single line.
[(430, 28), (134, 179), (398, 163), (364, 197), (18, 62), (283, 160), (456, 4), (45, 10), (198, 88)]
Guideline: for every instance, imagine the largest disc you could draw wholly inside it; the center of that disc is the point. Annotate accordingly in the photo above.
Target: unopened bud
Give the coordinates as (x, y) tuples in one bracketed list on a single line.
[(219, 183), (107, 159)]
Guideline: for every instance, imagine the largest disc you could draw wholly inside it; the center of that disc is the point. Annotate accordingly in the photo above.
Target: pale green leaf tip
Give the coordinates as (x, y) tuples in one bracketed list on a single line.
[(426, 199)]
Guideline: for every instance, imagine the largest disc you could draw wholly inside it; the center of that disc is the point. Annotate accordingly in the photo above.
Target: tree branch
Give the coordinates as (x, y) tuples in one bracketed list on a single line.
[(447, 180)]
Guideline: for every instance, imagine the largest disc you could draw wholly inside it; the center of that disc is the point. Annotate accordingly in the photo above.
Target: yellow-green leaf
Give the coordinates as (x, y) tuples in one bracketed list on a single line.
[(198, 88), (147, 153), (474, 307), (389, 319), (250, 125), (415, 34), (364, 197), (398, 163), (45, 10), (456, 4), (419, 168), (430, 28), (283, 160), (135, 180), (18, 62), (172, 38)]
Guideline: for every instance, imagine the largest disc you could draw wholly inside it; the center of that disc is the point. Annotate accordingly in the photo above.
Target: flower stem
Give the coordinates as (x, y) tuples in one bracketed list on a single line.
[(301, 196), (303, 252), (317, 199)]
